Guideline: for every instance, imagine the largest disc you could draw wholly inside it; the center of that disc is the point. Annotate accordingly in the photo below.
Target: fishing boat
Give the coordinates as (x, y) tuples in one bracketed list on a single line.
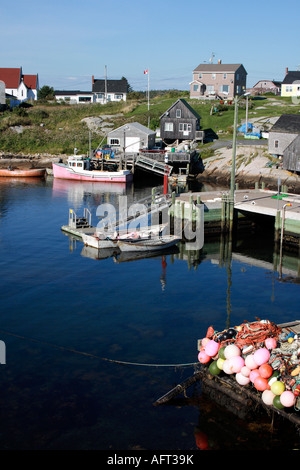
[(81, 168), (22, 173), (102, 240), (157, 243)]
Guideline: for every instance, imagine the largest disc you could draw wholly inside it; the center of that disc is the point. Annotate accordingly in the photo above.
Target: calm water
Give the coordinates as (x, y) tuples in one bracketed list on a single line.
[(63, 313)]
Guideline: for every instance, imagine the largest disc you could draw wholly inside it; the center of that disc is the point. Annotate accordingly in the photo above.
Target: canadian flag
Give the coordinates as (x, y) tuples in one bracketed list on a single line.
[(146, 71)]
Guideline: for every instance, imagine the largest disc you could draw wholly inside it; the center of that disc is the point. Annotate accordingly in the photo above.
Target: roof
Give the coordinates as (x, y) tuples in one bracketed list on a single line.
[(71, 92), (289, 123), (11, 76), (275, 82), (30, 81), (291, 77), (137, 126), (218, 67), (186, 104), (113, 86)]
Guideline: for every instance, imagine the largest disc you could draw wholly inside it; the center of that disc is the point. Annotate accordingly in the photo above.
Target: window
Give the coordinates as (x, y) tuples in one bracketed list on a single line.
[(224, 76), (100, 96), (224, 89), (119, 97), (276, 144), (210, 89), (169, 126), (289, 88), (114, 141), (178, 113), (195, 87), (237, 76), (185, 127), (200, 75), (213, 76)]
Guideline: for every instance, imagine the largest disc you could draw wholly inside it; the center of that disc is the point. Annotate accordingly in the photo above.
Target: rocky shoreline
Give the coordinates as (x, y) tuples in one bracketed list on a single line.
[(252, 167)]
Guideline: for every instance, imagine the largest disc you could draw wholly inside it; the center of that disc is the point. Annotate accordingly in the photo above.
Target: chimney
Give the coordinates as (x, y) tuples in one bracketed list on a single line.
[(219, 61), (93, 78), (286, 70)]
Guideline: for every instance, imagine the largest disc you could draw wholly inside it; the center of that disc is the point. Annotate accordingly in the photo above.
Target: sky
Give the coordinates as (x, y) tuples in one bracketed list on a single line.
[(66, 42)]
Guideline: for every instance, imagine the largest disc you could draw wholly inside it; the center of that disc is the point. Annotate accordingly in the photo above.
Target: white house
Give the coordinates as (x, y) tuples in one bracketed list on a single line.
[(21, 87), (74, 96), (109, 90)]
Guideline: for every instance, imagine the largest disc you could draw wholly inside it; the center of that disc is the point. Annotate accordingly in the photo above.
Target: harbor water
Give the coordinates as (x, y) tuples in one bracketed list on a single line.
[(92, 343)]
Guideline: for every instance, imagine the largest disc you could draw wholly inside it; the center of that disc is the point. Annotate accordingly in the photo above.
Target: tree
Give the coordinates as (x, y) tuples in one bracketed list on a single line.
[(46, 93)]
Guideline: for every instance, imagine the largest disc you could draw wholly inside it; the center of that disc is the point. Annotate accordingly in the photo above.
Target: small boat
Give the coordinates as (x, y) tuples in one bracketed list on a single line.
[(22, 173), (81, 168), (157, 243), (101, 240)]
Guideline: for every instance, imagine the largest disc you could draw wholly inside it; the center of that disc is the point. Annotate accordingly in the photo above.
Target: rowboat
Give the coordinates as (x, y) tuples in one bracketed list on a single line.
[(80, 168), (22, 173), (101, 240), (157, 243)]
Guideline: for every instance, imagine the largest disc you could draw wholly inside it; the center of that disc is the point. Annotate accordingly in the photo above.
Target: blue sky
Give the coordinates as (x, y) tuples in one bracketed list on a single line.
[(68, 41)]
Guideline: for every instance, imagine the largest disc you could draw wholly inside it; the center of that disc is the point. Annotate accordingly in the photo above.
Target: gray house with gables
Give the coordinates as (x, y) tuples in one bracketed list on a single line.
[(180, 122)]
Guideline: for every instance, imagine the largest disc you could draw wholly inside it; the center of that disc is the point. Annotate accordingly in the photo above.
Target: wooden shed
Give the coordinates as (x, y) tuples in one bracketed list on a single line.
[(180, 122), (291, 156)]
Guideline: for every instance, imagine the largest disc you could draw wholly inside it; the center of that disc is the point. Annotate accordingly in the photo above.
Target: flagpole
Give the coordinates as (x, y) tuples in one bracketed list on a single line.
[(148, 90)]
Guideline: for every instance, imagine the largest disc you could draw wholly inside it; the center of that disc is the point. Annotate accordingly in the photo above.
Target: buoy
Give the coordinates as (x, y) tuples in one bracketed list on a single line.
[(287, 398), (268, 397), (253, 374), (245, 371), (231, 351), (221, 352), (242, 379), (212, 347), (277, 403), (265, 370), (250, 362), (236, 363), (214, 369), (261, 356), (227, 368), (203, 357), (270, 343), (261, 384), (220, 363), (277, 387)]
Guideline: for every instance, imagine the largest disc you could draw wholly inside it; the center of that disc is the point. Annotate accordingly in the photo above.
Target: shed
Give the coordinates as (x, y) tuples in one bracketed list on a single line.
[(132, 137), (291, 156), (180, 122), (283, 132)]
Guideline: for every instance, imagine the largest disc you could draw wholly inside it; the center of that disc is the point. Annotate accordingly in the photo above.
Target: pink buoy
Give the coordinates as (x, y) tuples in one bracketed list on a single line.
[(261, 356), (267, 397), (236, 363), (270, 343), (253, 374), (227, 368), (231, 350), (203, 357), (250, 362), (241, 379), (245, 371), (212, 347), (287, 398), (204, 342)]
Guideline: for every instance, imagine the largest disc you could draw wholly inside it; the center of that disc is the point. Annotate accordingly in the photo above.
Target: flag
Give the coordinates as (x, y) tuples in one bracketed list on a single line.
[(146, 71)]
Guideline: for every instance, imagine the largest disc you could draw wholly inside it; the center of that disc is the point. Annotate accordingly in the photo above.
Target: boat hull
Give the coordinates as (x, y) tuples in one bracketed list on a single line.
[(34, 172), (62, 171), (157, 244)]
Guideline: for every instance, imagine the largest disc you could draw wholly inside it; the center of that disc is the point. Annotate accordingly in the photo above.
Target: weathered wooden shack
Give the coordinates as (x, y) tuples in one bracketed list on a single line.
[(291, 156), (180, 122)]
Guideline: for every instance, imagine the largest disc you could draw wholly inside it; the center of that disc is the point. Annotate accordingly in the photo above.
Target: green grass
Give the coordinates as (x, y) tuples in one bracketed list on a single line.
[(56, 128)]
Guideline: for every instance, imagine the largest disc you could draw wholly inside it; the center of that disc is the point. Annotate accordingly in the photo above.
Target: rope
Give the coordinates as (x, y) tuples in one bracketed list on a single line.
[(82, 353)]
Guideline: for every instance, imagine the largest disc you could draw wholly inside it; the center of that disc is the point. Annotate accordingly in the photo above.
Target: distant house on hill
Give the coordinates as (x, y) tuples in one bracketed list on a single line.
[(283, 133), (21, 87), (109, 90), (74, 96), (180, 122), (215, 81), (266, 86), (291, 84)]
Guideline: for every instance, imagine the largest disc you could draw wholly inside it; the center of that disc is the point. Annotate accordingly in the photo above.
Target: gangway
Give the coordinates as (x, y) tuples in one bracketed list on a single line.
[(153, 166)]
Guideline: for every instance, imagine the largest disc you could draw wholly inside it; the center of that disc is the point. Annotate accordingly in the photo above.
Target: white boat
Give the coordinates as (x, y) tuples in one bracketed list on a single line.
[(153, 244), (110, 240), (80, 168)]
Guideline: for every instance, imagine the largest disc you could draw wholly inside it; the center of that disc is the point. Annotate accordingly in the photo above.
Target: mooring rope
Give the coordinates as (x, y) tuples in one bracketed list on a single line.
[(94, 356)]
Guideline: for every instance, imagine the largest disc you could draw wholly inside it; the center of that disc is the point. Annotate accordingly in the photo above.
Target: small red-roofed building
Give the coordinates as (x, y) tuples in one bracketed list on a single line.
[(21, 87)]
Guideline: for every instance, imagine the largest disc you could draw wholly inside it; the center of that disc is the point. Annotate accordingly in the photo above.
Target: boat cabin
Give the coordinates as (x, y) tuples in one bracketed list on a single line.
[(78, 161)]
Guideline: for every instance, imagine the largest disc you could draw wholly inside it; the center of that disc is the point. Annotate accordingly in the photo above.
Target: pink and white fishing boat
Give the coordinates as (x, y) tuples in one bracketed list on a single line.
[(80, 168)]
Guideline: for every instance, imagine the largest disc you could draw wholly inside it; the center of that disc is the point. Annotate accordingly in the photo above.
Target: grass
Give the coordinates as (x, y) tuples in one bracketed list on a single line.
[(57, 128)]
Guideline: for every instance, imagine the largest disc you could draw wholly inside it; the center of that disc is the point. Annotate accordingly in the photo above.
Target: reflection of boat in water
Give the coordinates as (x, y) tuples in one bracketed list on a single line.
[(157, 243), (80, 168), (22, 173), (104, 239), (77, 189), (125, 257), (94, 253)]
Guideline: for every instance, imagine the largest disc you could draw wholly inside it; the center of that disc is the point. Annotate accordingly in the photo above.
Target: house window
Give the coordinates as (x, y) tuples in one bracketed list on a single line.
[(224, 89), (114, 141), (195, 87), (210, 89), (100, 96), (224, 76), (289, 88), (276, 144), (119, 97), (200, 75), (178, 113), (237, 76), (213, 76), (168, 126), (185, 127)]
